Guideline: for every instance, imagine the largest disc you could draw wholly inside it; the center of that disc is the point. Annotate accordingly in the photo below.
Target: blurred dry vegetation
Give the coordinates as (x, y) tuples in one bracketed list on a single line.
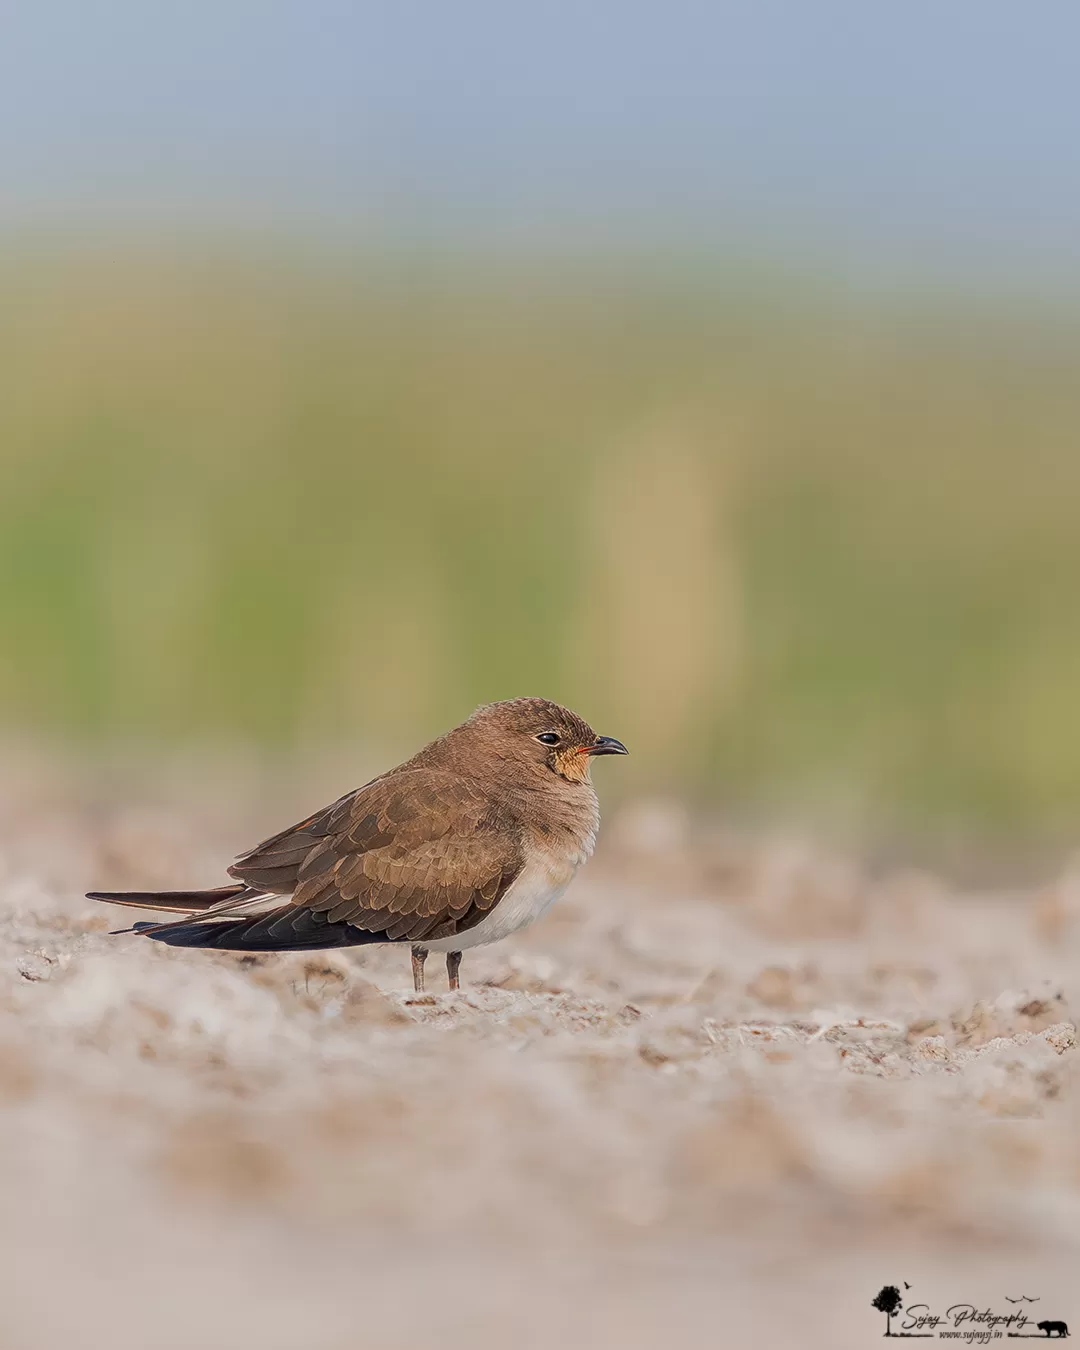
[(792, 546)]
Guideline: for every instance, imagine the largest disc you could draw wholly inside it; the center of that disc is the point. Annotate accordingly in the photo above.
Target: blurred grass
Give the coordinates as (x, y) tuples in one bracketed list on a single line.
[(790, 547)]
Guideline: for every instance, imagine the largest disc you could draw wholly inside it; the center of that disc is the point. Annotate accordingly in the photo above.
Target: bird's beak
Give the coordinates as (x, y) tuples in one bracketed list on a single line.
[(605, 745)]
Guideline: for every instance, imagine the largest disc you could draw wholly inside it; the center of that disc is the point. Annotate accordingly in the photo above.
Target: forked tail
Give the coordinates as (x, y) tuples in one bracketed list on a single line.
[(175, 902), (235, 919)]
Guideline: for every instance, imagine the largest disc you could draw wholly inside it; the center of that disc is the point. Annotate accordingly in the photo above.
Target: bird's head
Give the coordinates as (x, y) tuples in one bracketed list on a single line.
[(538, 732)]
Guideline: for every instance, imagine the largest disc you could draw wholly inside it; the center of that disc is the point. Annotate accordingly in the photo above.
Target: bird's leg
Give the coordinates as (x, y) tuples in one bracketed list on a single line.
[(419, 956), (453, 964)]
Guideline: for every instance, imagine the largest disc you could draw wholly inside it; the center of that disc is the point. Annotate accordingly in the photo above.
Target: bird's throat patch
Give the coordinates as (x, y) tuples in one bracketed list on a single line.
[(572, 765)]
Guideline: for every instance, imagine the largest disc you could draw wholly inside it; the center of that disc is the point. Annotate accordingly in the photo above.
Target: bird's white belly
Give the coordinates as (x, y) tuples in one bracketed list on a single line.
[(543, 879)]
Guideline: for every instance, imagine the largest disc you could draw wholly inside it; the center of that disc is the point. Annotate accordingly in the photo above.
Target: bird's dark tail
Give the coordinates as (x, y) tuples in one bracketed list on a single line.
[(188, 903), (282, 930), (178, 902), (223, 920)]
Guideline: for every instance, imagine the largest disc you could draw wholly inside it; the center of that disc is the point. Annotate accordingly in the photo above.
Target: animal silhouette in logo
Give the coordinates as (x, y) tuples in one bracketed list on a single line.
[(1053, 1328)]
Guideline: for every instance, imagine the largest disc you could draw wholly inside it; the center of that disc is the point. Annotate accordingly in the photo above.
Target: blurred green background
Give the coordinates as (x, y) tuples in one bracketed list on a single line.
[(715, 370), (795, 548)]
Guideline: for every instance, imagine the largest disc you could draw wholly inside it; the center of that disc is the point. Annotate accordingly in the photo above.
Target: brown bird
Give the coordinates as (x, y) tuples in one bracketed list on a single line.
[(465, 843)]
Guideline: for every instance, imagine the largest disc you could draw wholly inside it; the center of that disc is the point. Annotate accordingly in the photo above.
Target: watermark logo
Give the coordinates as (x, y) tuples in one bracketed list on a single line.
[(911, 1318)]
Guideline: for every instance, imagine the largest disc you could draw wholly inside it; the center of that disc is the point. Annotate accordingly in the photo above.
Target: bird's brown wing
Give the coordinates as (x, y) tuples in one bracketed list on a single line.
[(419, 854)]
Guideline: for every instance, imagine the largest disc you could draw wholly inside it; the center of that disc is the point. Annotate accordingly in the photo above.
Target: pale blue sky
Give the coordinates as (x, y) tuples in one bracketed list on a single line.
[(942, 129)]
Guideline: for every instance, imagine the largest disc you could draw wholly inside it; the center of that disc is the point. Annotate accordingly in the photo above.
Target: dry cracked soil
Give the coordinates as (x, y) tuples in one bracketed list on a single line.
[(724, 1092)]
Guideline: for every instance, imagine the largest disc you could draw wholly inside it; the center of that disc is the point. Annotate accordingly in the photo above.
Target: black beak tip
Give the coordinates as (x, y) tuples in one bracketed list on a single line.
[(608, 745)]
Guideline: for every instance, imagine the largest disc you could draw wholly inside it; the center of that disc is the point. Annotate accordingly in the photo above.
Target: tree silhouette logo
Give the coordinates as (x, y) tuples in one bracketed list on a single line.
[(889, 1302)]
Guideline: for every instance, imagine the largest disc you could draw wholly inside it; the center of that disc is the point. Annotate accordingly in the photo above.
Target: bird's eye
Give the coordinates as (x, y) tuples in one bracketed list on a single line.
[(548, 738)]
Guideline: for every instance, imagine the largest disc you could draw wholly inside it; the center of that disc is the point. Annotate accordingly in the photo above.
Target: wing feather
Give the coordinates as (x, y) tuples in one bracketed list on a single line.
[(415, 854)]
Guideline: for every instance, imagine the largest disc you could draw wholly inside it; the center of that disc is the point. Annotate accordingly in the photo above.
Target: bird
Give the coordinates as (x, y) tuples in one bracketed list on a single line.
[(468, 841)]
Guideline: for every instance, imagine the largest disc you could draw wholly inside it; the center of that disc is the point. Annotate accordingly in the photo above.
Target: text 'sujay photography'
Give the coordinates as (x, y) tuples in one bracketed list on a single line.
[(539, 675)]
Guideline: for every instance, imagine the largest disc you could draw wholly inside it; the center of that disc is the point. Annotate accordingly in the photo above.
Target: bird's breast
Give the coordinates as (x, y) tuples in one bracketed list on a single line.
[(535, 889), (566, 832), (555, 842)]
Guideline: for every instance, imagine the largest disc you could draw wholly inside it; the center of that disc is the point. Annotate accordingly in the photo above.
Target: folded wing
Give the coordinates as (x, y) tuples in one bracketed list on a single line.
[(420, 854)]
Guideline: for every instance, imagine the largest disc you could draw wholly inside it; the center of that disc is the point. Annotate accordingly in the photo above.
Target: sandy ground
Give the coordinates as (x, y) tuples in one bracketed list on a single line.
[(722, 1094)]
